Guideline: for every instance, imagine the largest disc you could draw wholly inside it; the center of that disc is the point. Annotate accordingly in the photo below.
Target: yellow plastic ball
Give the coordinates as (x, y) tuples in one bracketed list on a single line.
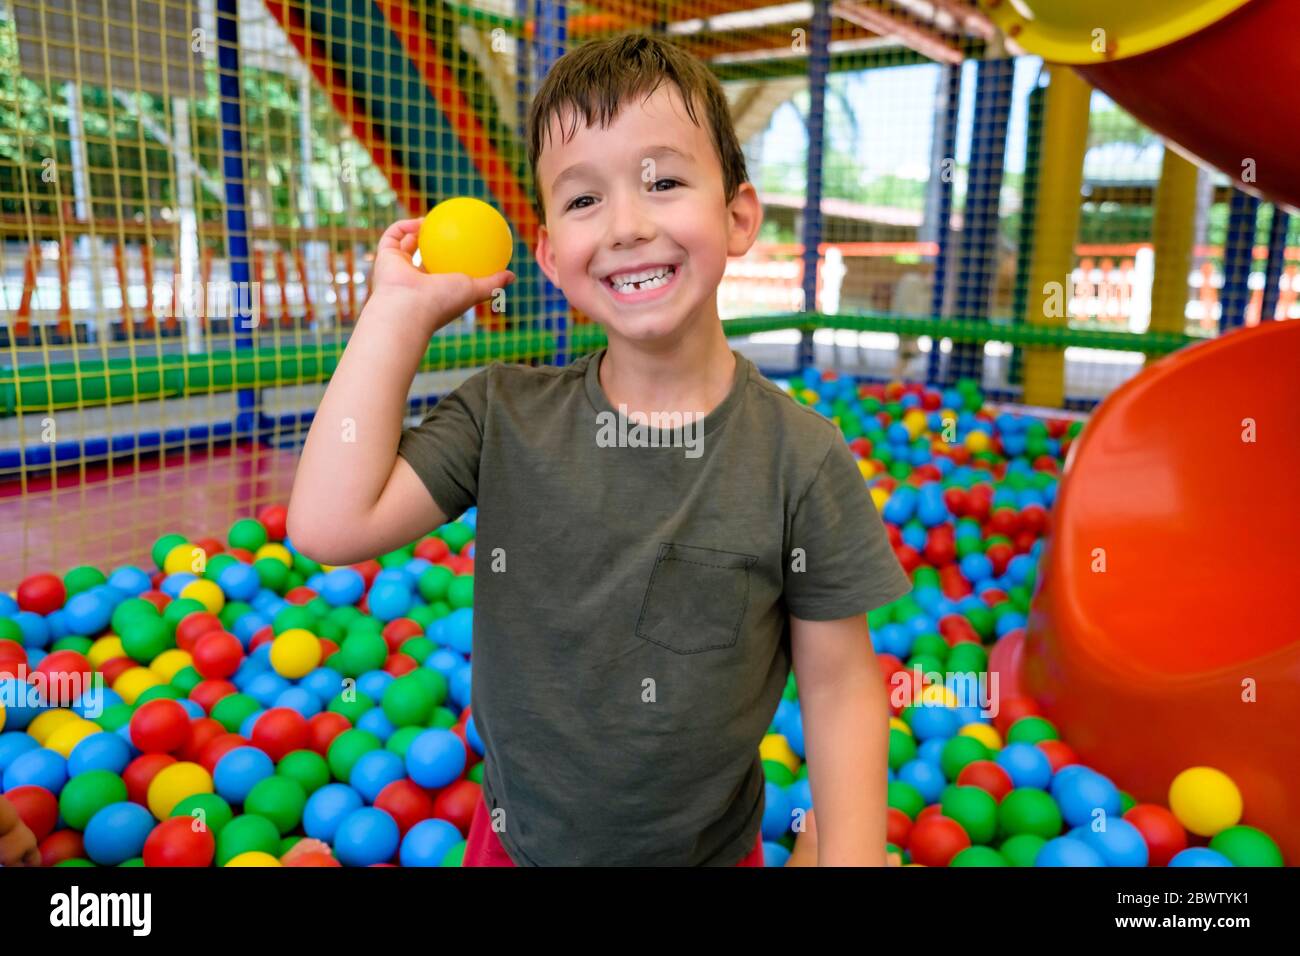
[(776, 747), (170, 663), (45, 724), (977, 442), (1205, 800), (295, 653), (135, 682), (105, 649), (65, 738), (880, 496), (867, 469), (254, 858), (938, 695), (174, 783), (810, 396), (276, 552), (185, 557), (208, 593), (898, 723), (986, 734), (465, 235), (914, 422)]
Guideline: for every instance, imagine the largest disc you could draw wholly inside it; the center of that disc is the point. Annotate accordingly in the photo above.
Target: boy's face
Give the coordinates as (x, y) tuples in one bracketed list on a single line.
[(644, 195)]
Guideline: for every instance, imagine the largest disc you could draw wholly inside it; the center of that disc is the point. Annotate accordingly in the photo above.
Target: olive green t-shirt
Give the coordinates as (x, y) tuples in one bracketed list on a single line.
[(632, 597)]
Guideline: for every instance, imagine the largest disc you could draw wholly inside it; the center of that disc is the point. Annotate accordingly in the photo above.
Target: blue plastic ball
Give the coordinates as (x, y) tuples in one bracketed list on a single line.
[(777, 816), (435, 759), (389, 600), (14, 744), (365, 837), (1081, 792), (774, 854), (38, 768), (326, 809), (117, 833), (1067, 851), (1120, 844), (239, 771), (1199, 856), (101, 751), (1026, 765), (925, 776), (374, 771), (428, 843)]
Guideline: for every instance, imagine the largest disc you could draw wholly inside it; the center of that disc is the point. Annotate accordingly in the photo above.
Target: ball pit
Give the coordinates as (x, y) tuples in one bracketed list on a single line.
[(266, 698)]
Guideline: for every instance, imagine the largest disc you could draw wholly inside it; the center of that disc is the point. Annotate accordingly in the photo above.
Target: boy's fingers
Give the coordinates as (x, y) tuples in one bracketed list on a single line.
[(394, 234)]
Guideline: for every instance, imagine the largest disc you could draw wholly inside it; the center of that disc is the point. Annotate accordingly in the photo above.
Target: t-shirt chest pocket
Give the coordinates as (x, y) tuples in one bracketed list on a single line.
[(696, 598)]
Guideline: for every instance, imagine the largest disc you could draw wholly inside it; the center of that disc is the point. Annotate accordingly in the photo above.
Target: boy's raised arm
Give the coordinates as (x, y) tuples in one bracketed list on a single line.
[(353, 498)]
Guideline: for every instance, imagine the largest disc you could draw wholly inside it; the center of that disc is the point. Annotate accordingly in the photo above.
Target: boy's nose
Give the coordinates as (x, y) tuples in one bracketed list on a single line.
[(629, 222)]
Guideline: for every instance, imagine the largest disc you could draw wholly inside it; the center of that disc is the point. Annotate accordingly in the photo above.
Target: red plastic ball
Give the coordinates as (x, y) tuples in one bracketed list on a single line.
[(399, 664), (898, 826), (202, 732), (36, 807), (194, 626), (457, 802), (936, 839), (281, 731), (160, 727), (207, 693), (300, 595), (432, 550), (399, 631), (60, 846), (177, 842), (139, 773), (314, 859), (41, 593), (1059, 753), (324, 727), (65, 674), (406, 802), (988, 776), (264, 636), (1164, 835), (217, 655), (275, 519), (210, 546)]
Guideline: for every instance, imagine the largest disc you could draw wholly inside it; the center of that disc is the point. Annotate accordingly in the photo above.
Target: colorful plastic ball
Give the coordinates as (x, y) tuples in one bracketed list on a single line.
[(1022, 849), (295, 653), (936, 839), (925, 776), (308, 768), (65, 740), (258, 858), (366, 836), (178, 842), (1026, 764), (975, 809), (280, 731), (117, 833), (174, 783), (248, 833), (41, 593), (1161, 831), (342, 586), (36, 807), (217, 655), (160, 726), (407, 803), (463, 234), (279, 799), (979, 856), (205, 811), (1067, 851), (1247, 846), (37, 768), (1120, 843), (435, 759), (239, 771), (1084, 795), (428, 843), (1029, 810), (102, 751), (347, 748), (375, 771), (408, 701), (1199, 856), (326, 809), (87, 794), (1205, 800)]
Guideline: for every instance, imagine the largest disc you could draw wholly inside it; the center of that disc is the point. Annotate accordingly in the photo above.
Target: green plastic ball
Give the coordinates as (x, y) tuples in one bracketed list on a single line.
[(979, 856), (247, 533), (87, 793), (279, 799), (902, 748), (245, 834), (959, 751), (1247, 846), (460, 593), (975, 809), (905, 797), (347, 748), (209, 811), (233, 709), (306, 768), (1022, 849), (1029, 810), (1031, 730), (408, 702)]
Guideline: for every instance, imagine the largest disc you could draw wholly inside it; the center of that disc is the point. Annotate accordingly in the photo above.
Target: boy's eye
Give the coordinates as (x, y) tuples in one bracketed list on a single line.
[(658, 181), (573, 203)]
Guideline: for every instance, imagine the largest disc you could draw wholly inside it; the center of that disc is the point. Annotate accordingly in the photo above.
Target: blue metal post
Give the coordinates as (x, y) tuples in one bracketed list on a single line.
[(819, 62), (550, 19), (1276, 260), (250, 422), (979, 247), (946, 129), (523, 71), (1238, 252)]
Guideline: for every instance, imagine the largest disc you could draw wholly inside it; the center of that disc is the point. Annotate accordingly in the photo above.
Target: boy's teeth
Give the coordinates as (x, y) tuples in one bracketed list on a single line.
[(650, 279)]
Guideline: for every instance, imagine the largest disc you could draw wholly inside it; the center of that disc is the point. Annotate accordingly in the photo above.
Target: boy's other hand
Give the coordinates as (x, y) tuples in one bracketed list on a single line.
[(435, 299), (17, 842)]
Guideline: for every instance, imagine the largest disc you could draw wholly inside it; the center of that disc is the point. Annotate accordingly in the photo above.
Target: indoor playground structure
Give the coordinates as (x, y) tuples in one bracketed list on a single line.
[(1035, 258)]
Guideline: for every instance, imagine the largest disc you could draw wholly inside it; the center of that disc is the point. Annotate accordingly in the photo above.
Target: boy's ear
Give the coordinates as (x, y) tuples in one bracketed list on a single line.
[(745, 215), (545, 256)]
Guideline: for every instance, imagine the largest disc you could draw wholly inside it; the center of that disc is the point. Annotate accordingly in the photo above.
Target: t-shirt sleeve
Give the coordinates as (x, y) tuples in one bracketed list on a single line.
[(849, 567), (444, 448)]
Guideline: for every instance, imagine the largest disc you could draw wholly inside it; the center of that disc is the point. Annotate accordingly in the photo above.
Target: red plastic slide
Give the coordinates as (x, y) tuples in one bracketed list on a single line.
[(1166, 631)]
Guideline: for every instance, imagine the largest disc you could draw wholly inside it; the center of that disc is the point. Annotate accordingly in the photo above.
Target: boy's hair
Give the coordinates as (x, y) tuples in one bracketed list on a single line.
[(596, 78)]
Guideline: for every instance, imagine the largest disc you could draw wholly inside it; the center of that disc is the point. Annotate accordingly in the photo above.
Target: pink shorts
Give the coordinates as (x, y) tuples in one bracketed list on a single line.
[(483, 847)]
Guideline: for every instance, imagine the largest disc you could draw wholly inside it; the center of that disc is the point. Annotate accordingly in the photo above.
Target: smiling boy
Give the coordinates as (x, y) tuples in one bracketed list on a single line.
[(636, 609)]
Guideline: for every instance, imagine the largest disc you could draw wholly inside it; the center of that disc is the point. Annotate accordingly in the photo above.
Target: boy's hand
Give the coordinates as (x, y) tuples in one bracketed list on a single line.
[(17, 842), (435, 299)]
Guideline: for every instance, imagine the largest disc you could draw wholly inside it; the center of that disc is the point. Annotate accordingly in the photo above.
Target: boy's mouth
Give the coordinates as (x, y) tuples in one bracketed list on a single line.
[(642, 282)]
